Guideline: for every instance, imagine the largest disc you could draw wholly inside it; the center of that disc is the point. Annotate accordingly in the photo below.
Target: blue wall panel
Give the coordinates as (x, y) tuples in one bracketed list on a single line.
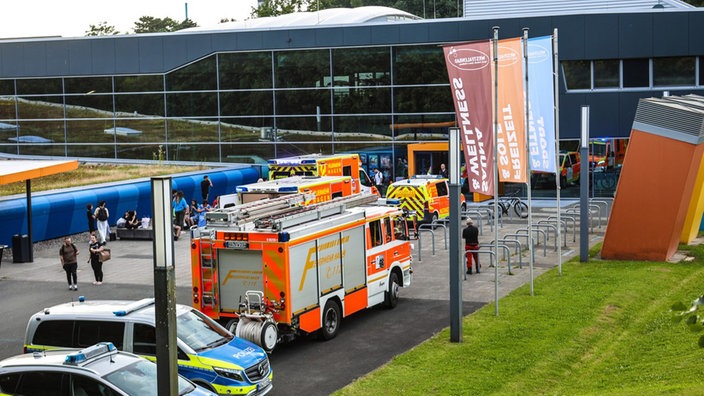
[(59, 213)]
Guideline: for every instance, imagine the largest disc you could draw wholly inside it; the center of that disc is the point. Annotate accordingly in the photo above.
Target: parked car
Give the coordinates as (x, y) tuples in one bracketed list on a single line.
[(208, 354), (97, 370)]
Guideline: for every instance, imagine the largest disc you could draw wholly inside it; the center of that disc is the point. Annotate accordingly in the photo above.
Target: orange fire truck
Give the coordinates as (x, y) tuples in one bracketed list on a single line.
[(274, 269), (325, 188), (323, 165)]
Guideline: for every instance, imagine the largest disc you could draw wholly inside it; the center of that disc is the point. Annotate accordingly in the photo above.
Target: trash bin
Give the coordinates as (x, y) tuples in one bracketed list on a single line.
[(20, 249)]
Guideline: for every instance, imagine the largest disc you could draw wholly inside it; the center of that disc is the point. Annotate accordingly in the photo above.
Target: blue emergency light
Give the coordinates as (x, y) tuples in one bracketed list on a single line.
[(288, 189), (90, 352)]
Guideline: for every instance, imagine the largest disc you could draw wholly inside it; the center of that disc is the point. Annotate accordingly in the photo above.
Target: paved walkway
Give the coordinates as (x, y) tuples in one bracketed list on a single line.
[(132, 260)]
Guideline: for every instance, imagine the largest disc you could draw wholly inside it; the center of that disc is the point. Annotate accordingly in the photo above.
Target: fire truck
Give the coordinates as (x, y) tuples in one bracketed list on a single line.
[(325, 188), (324, 165), (275, 269)]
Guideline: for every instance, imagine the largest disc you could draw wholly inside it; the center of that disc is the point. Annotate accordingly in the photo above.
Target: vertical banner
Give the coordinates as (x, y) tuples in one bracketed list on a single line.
[(511, 135), (469, 71), (541, 109)]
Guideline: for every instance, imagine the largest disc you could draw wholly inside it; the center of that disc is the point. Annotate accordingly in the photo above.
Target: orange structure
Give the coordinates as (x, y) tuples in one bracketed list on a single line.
[(659, 201)]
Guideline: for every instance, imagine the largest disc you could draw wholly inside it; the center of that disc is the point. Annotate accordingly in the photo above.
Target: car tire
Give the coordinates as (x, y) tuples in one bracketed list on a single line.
[(391, 294)]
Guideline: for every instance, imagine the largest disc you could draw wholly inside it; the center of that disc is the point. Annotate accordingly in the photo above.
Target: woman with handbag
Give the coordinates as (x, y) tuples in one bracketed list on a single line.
[(97, 249)]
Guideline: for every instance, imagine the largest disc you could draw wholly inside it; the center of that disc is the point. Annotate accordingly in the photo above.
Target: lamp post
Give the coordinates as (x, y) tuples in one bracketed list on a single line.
[(455, 230), (164, 287), (584, 189)]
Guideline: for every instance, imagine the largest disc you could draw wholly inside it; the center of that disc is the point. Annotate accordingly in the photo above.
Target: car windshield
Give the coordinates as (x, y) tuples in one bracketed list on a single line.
[(139, 379), (200, 332)]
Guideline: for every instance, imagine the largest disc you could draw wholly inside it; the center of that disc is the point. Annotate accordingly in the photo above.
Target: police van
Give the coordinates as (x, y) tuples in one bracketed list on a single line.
[(427, 196), (208, 354)]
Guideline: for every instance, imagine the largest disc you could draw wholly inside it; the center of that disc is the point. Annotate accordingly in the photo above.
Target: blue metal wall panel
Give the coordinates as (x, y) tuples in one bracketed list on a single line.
[(80, 57), (55, 53), (35, 59), (635, 33), (127, 59), (103, 56), (671, 35), (571, 37), (151, 55), (62, 212), (600, 38)]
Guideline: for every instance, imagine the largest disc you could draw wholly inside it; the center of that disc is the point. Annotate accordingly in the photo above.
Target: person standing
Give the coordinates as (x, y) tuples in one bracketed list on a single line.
[(471, 242), (180, 206), (102, 215), (205, 186), (68, 254), (443, 171), (379, 181), (91, 218), (95, 248)]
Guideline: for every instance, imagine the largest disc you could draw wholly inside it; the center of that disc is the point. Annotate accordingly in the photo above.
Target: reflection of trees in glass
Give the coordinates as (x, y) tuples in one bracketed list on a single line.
[(298, 69), (423, 99), (302, 101), (43, 86), (419, 65), (88, 85), (198, 76), (243, 103), (251, 70), (674, 71), (577, 74)]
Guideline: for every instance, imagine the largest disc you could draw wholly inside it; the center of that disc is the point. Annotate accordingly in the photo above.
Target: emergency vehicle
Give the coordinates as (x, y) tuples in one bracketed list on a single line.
[(275, 269), (324, 165), (426, 197), (325, 188)]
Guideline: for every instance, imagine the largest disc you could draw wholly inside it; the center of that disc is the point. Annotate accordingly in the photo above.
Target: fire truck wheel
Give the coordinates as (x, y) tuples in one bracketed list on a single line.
[(391, 295), (332, 316)]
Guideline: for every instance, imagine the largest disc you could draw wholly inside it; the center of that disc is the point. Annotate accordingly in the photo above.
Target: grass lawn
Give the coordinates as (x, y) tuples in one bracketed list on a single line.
[(602, 328)]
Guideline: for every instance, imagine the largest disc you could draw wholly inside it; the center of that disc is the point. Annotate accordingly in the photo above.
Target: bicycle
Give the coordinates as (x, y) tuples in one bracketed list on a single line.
[(519, 207)]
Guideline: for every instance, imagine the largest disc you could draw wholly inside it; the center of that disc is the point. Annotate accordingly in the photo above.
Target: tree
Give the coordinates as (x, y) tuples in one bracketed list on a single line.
[(280, 7), (102, 29), (148, 24)]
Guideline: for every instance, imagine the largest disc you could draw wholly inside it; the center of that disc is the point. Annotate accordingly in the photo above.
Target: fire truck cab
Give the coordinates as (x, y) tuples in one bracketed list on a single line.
[(324, 165), (275, 269)]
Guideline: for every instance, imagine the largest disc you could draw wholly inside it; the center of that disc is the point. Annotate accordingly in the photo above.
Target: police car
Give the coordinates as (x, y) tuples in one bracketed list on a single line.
[(97, 370), (208, 354)]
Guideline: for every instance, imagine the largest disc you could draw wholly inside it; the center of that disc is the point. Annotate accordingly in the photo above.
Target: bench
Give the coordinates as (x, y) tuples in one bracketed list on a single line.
[(135, 233)]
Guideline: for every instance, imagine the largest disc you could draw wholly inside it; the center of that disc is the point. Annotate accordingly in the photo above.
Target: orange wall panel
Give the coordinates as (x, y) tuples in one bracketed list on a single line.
[(652, 198)]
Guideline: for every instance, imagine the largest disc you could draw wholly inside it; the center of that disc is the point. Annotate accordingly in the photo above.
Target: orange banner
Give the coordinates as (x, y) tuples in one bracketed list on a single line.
[(511, 134)]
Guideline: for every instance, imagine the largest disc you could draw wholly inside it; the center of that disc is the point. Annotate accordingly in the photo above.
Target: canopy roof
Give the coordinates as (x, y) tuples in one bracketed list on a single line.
[(17, 170)]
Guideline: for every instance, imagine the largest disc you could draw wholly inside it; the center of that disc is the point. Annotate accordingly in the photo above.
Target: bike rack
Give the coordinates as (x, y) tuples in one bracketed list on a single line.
[(420, 240), (552, 227), (518, 251), (599, 202), (563, 226), (440, 223), (591, 210), (545, 238), (574, 224), (506, 251)]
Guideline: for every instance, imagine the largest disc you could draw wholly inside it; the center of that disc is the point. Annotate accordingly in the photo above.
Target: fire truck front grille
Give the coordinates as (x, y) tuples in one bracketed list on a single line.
[(258, 371)]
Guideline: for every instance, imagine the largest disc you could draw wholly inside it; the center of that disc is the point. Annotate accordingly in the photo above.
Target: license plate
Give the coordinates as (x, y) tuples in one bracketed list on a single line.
[(262, 385)]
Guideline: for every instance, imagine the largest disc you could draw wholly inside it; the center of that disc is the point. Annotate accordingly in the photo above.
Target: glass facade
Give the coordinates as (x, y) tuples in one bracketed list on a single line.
[(237, 106)]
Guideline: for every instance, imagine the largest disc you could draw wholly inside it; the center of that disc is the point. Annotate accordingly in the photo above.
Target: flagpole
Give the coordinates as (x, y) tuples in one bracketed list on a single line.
[(556, 96), (496, 170), (528, 167)]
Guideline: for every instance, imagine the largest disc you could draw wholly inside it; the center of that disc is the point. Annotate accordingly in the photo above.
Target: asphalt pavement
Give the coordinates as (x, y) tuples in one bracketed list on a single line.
[(424, 305)]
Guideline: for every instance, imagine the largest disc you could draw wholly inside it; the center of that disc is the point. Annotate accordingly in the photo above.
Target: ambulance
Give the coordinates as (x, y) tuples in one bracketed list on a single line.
[(325, 188), (276, 269), (425, 196), (324, 165)]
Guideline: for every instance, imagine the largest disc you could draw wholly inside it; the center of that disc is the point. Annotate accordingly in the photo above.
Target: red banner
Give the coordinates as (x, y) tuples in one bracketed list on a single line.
[(511, 133), (469, 70)]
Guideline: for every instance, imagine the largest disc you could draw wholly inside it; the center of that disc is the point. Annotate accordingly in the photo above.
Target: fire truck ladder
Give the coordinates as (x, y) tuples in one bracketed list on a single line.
[(299, 215), (207, 272), (251, 211)]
